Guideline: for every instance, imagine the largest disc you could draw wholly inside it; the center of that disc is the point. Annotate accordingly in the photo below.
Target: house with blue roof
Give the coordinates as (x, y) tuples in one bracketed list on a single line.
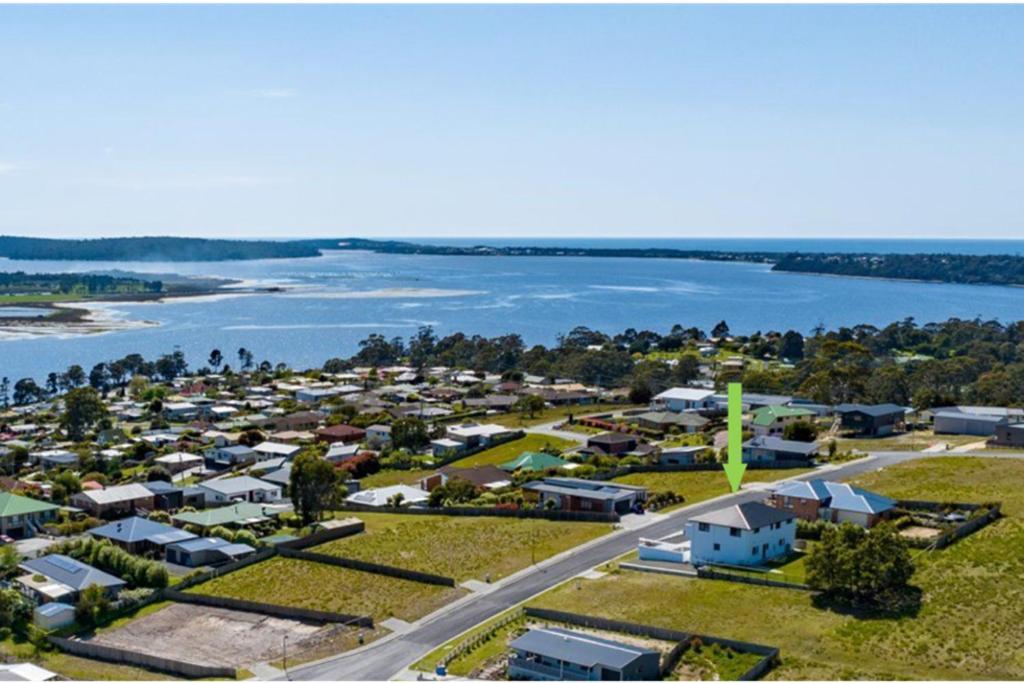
[(199, 552), (141, 536), (831, 501)]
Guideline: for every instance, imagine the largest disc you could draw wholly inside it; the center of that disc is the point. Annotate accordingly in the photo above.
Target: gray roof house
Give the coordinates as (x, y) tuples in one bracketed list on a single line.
[(585, 495), (832, 501), (958, 421), (244, 488), (66, 577), (774, 449), (139, 535), (199, 552), (554, 654)]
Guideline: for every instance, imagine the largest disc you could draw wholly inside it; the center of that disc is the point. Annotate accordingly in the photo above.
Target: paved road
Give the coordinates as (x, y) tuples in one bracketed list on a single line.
[(382, 660)]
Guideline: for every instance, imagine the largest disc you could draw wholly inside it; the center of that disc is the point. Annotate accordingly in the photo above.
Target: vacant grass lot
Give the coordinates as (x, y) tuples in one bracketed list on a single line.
[(460, 547), (297, 583), (968, 625), (515, 419), (513, 449), (698, 486), (907, 441)]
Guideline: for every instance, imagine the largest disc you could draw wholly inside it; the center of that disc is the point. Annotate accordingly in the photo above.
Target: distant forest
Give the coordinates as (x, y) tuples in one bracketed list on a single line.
[(73, 283), (152, 249), (1004, 269)]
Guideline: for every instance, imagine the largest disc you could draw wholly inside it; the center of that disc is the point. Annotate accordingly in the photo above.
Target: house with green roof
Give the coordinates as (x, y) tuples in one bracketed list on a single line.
[(533, 461), (21, 517), (772, 420), (237, 515)]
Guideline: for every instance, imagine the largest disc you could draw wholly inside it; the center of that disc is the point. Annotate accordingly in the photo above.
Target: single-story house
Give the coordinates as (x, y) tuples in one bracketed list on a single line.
[(483, 476), (282, 476), (244, 489), (531, 461), (53, 457), (237, 515), (612, 443), (873, 420), (139, 535), (665, 420), (340, 433), (340, 452), (473, 435), (65, 579), (229, 456), (167, 496), (680, 455), (179, 461), (956, 421), (584, 495), (832, 501), (774, 449), (679, 399), (200, 552), (744, 534), (115, 501), (181, 410), (21, 516), (557, 654), (382, 497), (266, 450), (772, 420), (303, 420)]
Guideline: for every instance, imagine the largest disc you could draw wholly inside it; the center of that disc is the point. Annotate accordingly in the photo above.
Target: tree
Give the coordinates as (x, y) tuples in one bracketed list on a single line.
[(158, 473), (863, 567), (801, 430), (313, 485), (5, 393), (15, 609), (720, 330), (99, 377), (409, 432), (244, 359), (75, 376), (216, 359), (83, 408), (791, 346), (26, 391), (456, 490), (92, 605), (530, 405)]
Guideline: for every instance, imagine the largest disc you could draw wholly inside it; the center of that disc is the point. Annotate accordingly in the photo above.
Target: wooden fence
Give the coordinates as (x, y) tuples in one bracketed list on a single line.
[(299, 613), (371, 567)]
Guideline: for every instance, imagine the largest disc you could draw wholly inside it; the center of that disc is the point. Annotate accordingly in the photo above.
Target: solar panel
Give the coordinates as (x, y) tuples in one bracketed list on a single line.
[(65, 563)]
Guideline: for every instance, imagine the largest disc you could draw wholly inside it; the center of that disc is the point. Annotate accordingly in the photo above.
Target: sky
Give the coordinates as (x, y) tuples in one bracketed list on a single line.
[(512, 121)]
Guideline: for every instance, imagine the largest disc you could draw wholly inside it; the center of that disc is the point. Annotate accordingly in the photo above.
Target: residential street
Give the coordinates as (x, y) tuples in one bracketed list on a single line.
[(387, 657)]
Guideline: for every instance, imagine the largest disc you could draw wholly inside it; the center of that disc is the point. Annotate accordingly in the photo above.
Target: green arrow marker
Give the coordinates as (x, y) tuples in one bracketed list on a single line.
[(735, 468)]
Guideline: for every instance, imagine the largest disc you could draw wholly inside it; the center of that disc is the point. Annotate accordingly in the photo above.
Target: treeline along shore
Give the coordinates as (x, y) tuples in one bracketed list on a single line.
[(988, 269)]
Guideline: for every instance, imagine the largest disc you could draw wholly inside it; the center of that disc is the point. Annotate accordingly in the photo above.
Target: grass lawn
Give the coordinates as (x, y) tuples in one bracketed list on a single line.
[(515, 419), (297, 583), (698, 486), (392, 477), (907, 441), (790, 570), (968, 625), (512, 450), (460, 547)]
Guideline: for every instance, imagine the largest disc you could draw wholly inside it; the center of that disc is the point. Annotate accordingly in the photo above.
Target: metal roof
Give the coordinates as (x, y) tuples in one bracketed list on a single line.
[(745, 516), (70, 572), (578, 648), (134, 529)]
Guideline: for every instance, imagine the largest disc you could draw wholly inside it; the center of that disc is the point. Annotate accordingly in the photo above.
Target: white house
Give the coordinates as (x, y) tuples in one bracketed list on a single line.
[(231, 455), (234, 489), (271, 449), (381, 497), (678, 399), (473, 435), (744, 534), (181, 410)]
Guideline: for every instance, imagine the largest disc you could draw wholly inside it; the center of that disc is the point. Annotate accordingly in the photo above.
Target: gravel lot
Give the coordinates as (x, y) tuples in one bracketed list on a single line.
[(211, 635)]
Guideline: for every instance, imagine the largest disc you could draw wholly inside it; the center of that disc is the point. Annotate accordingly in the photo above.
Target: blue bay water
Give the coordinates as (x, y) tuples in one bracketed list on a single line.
[(340, 298)]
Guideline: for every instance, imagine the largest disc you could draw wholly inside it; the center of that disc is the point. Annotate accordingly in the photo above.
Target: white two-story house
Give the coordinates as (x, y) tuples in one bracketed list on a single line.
[(745, 534)]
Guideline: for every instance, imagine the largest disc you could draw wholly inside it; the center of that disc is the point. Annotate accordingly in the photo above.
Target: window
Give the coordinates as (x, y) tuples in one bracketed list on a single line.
[(757, 530), (734, 532), (718, 546), (789, 521), (753, 551), (703, 526), (782, 541)]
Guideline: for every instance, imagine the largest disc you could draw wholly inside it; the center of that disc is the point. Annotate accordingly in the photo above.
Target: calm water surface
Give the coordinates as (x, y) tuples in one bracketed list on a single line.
[(342, 297)]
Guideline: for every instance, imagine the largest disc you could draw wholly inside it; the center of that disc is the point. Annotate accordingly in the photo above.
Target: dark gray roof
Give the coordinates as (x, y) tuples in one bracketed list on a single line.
[(774, 443), (745, 516), (135, 529), (578, 648), (874, 411)]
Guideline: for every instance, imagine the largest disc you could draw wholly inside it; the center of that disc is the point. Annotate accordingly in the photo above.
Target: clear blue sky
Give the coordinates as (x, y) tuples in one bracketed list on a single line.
[(842, 121)]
